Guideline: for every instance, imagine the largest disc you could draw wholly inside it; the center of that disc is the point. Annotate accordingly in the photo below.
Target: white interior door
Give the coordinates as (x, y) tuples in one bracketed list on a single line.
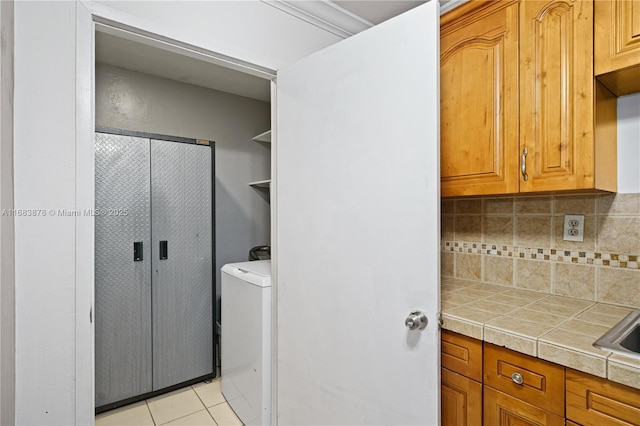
[(357, 228)]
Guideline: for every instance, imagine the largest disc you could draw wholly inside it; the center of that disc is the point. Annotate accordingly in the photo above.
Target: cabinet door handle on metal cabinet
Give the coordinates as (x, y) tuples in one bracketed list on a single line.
[(164, 250), (137, 251)]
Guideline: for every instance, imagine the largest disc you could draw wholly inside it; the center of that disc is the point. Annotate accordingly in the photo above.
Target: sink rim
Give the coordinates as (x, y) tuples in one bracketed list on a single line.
[(610, 341)]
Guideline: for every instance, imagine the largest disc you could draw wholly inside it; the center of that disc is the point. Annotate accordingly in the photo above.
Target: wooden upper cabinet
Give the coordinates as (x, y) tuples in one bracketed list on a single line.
[(479, 99), (518, 97), (617, 45), (556, 95)]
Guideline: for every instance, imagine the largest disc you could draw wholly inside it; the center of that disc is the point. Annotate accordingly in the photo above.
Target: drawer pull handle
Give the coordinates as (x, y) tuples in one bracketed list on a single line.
[(517, 378)]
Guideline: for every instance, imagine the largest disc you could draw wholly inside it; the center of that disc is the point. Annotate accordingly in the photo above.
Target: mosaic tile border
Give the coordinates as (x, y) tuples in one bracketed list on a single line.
[(614, 260)]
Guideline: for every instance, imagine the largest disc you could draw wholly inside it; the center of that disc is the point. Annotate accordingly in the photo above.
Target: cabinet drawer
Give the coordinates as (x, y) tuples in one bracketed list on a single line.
[(501, 409), (462, 354), (529, 379), (600, 402), (461, 399)]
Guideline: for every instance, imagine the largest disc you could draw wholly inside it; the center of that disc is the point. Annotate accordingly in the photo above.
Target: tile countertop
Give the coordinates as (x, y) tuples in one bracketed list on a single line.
[(554, 328)]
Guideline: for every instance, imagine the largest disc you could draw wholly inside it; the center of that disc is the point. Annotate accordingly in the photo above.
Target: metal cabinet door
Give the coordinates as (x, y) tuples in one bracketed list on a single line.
[(182, 267), (122, 285)]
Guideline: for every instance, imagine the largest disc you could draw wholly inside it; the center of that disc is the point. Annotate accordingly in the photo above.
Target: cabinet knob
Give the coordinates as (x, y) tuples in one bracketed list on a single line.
[(517, 378)]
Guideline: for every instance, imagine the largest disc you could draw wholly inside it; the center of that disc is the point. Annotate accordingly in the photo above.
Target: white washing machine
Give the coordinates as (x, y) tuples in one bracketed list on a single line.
[(246, 340)]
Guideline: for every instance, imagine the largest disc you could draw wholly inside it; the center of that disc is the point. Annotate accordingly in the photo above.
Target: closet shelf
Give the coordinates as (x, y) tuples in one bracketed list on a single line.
[(261, 184), (263, 137)]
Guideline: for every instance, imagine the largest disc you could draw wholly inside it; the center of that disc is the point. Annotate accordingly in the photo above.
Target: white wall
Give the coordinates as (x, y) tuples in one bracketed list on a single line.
[(44, 180), (51, 373), (134, 101), (7, 273), (629, 143)]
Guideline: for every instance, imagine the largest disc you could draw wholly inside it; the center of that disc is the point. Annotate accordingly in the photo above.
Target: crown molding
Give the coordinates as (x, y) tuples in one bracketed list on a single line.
[(332, 18), (447, 5), (323, 14)]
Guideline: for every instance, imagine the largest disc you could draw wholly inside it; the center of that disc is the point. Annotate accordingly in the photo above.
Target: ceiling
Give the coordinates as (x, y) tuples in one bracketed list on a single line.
[(135, 56), (126, 53)]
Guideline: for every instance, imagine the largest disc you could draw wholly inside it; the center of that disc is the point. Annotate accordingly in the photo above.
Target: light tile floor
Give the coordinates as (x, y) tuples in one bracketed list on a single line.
[(200, 404)]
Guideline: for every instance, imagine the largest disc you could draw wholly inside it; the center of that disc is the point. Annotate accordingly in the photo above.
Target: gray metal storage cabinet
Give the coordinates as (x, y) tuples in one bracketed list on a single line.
[(153, 266)]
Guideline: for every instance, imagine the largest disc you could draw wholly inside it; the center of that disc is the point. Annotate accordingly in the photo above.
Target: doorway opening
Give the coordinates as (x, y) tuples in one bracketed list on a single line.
[(141, 86)]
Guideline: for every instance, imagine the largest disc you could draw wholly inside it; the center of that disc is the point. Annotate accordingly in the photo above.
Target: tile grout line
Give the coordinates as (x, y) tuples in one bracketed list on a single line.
[(553, 267), (186, 389), (596, 244), (187, 415), (214, 405), (205, 405), (198, 395), (146, 403)]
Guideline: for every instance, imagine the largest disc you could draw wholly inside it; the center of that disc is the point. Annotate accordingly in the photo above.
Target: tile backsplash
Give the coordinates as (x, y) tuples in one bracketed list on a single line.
[(517, 241)]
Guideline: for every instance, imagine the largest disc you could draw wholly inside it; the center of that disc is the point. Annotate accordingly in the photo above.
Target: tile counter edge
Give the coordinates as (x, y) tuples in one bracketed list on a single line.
[(554, 328)]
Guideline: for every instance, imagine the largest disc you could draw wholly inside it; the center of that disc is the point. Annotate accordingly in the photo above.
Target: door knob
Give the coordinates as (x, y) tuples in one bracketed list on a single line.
[(416, 321)]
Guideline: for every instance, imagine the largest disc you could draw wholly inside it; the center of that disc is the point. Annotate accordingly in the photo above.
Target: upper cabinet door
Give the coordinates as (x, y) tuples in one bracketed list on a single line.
[(356, 228), (618, 28), (479, 101), (617, 44), (556, 95)]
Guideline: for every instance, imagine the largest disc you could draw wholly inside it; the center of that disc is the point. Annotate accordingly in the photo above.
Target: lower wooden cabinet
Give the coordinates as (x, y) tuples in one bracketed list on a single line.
[(529, 379), (505, 410), (462, 354), (461, 400), (520, 390), (461, 380), (592, 401)]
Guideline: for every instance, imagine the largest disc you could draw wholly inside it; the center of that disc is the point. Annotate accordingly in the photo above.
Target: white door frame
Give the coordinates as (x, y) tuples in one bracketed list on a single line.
[(89, 17)]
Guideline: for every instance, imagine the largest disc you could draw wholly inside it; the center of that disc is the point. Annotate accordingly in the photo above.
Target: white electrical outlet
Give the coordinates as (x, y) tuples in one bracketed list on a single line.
[(573, 227)]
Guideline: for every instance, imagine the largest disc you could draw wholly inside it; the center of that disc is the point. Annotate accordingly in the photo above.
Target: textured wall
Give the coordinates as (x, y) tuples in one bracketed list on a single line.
[(7, 271), (517, 241), (134, 101)]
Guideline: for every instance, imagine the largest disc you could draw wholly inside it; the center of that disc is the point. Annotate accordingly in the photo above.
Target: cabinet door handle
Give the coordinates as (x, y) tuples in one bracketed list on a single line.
[(137, 251), (164, 250), (523, 164), (517, 378)]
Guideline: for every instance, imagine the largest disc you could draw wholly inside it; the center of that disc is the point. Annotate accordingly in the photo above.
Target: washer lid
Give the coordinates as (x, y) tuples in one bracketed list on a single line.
[(257, 272)]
